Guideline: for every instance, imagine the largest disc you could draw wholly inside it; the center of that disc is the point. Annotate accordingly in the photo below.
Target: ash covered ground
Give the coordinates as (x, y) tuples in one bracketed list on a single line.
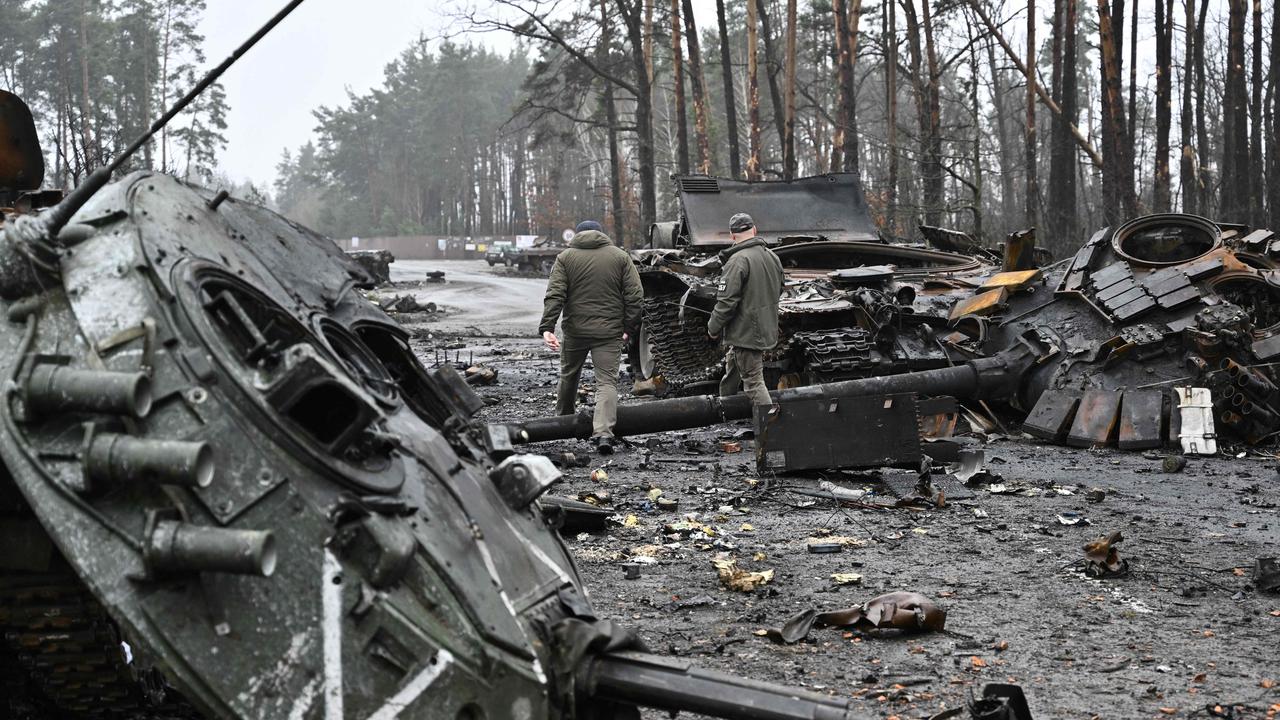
[(1184, 634)]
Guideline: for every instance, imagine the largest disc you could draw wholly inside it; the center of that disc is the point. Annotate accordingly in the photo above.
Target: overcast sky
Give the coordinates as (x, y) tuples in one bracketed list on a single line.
[(319, 52)]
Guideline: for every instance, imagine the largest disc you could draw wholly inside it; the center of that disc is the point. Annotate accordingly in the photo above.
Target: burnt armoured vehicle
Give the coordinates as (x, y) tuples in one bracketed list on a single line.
[(854, 305), (1156, 332), (228, 489)]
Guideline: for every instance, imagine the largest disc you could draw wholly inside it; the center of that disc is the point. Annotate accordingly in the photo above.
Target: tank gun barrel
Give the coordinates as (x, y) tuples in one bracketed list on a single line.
[(674, 685), (990, 378)]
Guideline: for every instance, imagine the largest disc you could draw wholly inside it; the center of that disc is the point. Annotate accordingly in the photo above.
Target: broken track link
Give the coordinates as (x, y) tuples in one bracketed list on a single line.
[(682, 353)]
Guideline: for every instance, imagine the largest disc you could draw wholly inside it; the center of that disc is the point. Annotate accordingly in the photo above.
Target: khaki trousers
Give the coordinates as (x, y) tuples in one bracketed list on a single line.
[(744, 370), (605, 357)]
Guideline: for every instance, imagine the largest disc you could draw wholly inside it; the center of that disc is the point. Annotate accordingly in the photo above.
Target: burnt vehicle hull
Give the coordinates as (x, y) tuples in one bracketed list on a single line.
[(854, 306), (232, 491), (1108, 347)]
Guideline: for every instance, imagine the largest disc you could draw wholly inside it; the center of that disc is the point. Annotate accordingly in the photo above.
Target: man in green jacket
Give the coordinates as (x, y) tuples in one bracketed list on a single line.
[(746, 311), (596, 287)]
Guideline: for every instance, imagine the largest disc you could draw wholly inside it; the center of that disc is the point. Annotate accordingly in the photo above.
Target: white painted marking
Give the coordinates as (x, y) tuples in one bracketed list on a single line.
[(416, 687), (331, 602)]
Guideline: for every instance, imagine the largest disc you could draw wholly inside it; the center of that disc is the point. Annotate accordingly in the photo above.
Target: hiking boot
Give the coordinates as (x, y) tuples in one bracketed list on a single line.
[(604, 445)]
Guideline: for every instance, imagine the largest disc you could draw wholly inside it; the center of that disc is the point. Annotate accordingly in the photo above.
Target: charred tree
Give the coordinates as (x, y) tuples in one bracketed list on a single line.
[(773, 68), (699, 90), (1187, 169), (1202, 132), (1164, 108), (1033, 189), (928, 112), (1256, 190), (846, 42), (730, 107), (1235, 191), (1119, 201), (1061, 224), (890, 35), (753, 94), (1273, 154), (789, 129), (677, 71), (611, 130)]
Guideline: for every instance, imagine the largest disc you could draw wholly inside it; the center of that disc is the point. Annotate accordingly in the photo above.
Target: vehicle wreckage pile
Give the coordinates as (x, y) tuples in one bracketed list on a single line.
[(1160, 331)]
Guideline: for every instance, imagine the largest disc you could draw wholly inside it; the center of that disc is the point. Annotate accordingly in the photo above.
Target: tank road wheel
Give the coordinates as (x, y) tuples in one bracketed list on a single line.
[(645, 361), (507, 262), (545, 265)]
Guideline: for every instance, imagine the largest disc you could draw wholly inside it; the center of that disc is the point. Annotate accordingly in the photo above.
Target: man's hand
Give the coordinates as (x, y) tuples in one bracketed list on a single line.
[(551, 340), (626, 337)]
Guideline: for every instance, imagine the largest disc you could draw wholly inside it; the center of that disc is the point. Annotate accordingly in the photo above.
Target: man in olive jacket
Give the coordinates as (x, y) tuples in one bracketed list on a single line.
[(596, 286), (746, 311)]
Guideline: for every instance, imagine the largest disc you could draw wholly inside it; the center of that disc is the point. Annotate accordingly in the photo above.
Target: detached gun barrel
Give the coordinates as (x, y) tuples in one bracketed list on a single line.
[(672, 685), (995, 377)]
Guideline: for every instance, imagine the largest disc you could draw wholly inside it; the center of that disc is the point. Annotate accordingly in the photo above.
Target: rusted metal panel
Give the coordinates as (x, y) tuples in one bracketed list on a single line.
[(1052, 416), (1141, 416), (840, 432), (1096, 419), (1014, 280), (981, 304)]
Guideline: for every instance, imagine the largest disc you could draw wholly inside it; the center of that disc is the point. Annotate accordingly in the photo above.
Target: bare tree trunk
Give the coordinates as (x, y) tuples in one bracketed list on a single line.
[(611, 122), (1033, 187), (86, 108), (1205, 202), (1076, 134), (1273, 154), (1133, 74), (677, 69), (648, 46), (1256, 214), (772, 69), (890, 35), (730, 109), (1187, 162), (699, 89), (839, 18), (1062, 223), (1234, 199), (789, 136), (1008, 208), (925, 71), (1164, 103), (1119, 201), (753, 95), (849, 86), (640, 44)]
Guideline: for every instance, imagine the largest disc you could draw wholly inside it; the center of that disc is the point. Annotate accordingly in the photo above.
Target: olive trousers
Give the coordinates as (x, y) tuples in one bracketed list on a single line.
[(744, 370), (605, 357)]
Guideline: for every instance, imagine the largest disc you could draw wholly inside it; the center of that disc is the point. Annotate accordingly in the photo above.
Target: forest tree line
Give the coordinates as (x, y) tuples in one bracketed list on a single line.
[(973, 114), (1065, 115), (97, 73)]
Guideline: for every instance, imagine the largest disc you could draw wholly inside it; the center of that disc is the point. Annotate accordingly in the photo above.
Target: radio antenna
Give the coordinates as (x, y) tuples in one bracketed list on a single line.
[(59, 215)]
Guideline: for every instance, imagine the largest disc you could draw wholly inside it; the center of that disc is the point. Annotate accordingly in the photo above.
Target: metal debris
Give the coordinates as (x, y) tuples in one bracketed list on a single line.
[(905, 611), (1101, 558)]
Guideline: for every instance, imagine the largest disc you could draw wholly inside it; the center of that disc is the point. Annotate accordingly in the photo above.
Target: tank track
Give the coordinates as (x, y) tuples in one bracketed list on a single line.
[(684, 356), (61, 656), (842, 352)]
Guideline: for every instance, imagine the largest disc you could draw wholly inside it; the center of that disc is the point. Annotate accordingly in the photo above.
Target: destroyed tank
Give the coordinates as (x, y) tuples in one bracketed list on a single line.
[(1160, 331), (854, 306), (229, 489)]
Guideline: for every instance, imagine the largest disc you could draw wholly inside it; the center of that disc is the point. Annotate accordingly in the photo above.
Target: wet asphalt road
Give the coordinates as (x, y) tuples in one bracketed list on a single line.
[(1185, 634), (476, 299)]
